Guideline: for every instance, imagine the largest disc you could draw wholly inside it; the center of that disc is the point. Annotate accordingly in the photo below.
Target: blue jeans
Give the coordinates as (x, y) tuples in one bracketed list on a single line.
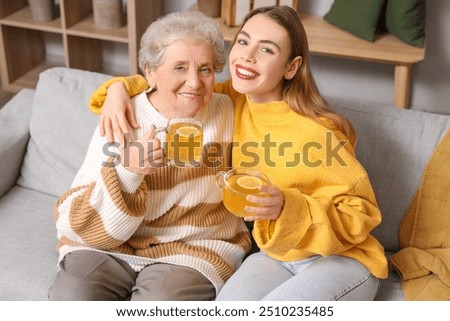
[(316, 279)]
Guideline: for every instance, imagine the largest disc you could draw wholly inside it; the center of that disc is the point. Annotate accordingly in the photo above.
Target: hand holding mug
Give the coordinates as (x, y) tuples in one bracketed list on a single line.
[(249, 194), (268, 207), (143, 156)]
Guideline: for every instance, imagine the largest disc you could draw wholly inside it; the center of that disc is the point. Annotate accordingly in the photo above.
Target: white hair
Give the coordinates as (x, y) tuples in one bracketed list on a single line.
[(176, 26)]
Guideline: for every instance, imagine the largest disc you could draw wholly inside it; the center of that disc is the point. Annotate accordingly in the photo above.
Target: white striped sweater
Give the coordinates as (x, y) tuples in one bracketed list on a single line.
[(175, 215)]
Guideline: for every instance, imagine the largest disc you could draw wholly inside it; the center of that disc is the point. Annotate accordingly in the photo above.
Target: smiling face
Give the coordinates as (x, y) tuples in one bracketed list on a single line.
[(184, 80), (259, 59)]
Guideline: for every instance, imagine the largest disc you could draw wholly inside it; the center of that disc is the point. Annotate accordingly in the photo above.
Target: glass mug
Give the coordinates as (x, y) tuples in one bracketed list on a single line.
[(183, 146), (236, 184)]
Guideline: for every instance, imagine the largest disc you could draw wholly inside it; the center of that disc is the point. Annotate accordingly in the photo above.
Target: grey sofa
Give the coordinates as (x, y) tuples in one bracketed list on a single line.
[(44, 134)]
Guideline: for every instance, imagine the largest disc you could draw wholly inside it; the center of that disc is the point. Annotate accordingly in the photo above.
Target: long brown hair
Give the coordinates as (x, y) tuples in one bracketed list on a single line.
[(301, 92)]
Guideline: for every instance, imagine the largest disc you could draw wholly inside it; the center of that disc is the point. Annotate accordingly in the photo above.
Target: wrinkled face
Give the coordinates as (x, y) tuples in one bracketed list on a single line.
[(259, 59), (184, 80)]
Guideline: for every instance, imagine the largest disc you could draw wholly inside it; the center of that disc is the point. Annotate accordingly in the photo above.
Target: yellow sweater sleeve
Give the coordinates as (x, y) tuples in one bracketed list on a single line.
[(325, 223), (134, 84), (329, 221), (227, 89)]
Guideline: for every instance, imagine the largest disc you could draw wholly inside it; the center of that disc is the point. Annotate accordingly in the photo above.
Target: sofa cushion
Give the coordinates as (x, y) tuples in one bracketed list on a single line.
[(394, 145), (391, 288), (14, 115), (357, 17), (61, 127), (406, 20), (28, 257)]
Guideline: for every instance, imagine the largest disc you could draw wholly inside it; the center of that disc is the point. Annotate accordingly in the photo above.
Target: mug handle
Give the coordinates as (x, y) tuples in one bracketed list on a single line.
[(155, 133), (158, 131), (220, 179)]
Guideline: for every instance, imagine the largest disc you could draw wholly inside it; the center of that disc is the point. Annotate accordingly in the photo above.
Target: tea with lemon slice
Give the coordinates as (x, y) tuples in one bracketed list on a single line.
[(237, 184), (184, 143)]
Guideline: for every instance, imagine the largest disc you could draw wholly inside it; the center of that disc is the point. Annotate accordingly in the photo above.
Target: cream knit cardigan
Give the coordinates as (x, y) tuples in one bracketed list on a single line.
[(174, 216)]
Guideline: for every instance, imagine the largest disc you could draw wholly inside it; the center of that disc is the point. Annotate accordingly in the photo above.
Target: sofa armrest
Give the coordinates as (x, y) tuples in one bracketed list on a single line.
[(14, 134)]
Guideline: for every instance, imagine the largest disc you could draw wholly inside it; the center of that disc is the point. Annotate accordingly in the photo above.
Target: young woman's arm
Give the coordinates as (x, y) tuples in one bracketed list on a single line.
[(112, 100), (226, 88), (134, 85)]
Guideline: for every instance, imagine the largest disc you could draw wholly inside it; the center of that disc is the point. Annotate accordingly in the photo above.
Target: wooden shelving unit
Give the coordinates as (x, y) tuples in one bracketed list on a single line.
[(23, 52)]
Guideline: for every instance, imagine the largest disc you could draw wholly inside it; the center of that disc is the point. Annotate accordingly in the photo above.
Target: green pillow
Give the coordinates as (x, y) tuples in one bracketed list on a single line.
[(406, 20), (356, 16)]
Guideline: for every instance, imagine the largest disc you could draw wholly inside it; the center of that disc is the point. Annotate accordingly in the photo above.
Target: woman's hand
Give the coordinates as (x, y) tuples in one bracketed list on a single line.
[(143, 156), (270, 207), (117, 115)]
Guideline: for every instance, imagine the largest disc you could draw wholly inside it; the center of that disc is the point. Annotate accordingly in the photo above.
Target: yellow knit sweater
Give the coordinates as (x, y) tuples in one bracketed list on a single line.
[(330, 206)]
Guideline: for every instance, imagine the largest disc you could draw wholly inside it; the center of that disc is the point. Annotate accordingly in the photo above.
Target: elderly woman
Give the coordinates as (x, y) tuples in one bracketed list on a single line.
[(132, 228)]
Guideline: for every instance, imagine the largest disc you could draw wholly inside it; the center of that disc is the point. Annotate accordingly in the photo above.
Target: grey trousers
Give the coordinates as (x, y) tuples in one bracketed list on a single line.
[(90, 276)]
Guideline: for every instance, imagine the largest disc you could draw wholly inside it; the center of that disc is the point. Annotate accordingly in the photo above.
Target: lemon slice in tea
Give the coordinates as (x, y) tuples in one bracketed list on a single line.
[(187, 131), (249, 182)]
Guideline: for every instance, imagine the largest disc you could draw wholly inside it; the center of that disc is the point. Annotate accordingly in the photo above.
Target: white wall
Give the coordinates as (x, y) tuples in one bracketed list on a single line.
[(374, 82)]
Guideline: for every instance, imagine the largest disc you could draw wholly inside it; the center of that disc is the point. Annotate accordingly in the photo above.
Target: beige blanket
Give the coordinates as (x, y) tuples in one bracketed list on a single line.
[(424, 259)]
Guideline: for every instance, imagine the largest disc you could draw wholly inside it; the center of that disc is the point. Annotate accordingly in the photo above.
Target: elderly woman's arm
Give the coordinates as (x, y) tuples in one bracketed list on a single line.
[(106, 203)]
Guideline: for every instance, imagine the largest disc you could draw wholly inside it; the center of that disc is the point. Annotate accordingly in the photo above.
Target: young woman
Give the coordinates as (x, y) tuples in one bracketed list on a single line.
[(314, 231)]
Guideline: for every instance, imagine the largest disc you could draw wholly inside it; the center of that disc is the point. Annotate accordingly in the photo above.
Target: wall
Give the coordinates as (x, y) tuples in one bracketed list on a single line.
[(374, 82)]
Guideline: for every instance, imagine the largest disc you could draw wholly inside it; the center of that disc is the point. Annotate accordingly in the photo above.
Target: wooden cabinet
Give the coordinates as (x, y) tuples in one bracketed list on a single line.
[(24, 51)]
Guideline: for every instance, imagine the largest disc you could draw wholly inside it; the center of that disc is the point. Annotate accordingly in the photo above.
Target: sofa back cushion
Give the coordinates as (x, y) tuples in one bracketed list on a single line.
[(394, 145), (61, 127)]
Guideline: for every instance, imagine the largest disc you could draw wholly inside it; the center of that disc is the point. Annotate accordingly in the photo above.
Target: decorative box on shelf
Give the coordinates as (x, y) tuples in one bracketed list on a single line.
[(234, 11)]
